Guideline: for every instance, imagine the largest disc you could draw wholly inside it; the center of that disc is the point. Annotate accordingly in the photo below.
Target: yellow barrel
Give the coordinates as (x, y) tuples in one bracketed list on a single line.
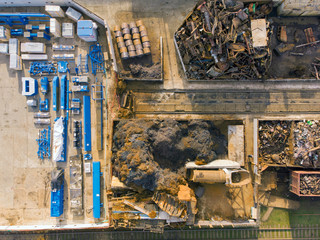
[(139, 23), (128, 43)]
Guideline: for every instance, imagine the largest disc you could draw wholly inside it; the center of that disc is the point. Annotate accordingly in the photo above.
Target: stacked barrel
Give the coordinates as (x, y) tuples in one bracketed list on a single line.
[(132, 39)]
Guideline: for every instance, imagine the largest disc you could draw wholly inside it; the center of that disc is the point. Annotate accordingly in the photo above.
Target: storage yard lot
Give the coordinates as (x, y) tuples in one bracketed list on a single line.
[(183, 140)]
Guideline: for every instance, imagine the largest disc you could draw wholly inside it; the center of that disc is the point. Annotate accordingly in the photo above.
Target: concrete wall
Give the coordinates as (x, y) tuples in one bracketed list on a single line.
[(30, 3)]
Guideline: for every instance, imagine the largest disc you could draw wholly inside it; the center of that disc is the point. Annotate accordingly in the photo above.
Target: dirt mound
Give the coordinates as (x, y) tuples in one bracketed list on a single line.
[(151, 154)]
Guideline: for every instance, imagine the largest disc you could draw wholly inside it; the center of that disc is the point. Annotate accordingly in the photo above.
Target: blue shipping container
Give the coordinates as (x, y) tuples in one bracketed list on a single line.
[(87, 123), (55, 89), (87, 30), (96, 174), (63, 92)]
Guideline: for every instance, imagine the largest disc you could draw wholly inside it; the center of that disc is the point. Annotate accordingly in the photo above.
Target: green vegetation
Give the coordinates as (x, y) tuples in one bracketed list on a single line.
[(307, 214)]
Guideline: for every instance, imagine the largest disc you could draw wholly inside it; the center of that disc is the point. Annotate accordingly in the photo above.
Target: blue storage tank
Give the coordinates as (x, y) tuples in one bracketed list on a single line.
[(87, 30), (96, 174)]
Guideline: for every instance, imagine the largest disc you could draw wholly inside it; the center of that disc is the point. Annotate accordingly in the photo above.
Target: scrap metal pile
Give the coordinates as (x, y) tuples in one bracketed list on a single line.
[(273, 145), (310, 184), (223, 39), (307, 143)]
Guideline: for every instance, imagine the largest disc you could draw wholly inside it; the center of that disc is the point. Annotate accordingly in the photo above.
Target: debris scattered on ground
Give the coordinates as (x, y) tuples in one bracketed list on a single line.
[(273, 145), (140, 71), (310, 184), (307, 143), (226, 39), (316, 68), (151, 154)]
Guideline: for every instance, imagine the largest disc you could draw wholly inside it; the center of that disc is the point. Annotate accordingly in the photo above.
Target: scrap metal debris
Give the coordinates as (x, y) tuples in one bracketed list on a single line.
[(273, 147), (316, 68), (226, 39), (172, 205), (307, 143), (310, 184), (153, 71)]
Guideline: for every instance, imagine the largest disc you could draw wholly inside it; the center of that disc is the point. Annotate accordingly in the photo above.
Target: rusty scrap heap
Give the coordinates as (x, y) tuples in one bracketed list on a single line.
[(310, 184), (273, 137), (307, 143), (225, 39)]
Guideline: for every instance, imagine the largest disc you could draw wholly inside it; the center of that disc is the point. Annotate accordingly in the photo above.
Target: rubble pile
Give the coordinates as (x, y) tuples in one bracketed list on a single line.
[(316, 68), (310, 184), (307, 143), (273, 142), (153, 71), (221, 39), (151, 154)]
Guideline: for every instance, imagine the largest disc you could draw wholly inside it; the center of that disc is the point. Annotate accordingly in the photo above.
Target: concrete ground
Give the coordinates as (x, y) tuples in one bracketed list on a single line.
[(25, 179)]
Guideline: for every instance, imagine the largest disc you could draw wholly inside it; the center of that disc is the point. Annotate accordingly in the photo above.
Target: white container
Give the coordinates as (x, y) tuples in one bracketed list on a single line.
[(14, 46), (57, 47), (4, 34), (67, 30), (34, 56), (32, 103), (87, 167), (55, 27), (63, 56), (33, 47), (54, 11), (80, 79), (73, 14), (4, 48), (15, 62)]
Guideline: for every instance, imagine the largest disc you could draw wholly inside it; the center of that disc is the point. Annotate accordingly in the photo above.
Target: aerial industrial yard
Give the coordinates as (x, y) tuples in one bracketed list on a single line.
[(163, 120)]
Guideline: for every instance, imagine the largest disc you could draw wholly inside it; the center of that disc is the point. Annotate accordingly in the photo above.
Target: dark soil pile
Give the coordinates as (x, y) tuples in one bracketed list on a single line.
[(151, 154)]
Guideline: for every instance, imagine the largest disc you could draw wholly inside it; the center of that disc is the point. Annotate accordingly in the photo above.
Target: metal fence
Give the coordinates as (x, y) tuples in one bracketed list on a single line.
[(299, 232)]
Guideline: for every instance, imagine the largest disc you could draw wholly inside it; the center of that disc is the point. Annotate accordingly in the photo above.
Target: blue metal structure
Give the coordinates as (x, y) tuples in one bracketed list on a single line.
[(55, 89), (63, 92), (65, 120), (62, 66), (87, 156), (97, 59), (96, 174), (44, 142), (57, 193), (31, 35), (82, 64), (44, 82), (87, 123), (42, 67), (20, 18), (44, 105), (42, 27), (16, 32)]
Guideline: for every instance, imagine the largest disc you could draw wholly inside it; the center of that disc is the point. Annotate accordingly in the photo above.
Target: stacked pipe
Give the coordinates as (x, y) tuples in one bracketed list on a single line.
[(132, 39)]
